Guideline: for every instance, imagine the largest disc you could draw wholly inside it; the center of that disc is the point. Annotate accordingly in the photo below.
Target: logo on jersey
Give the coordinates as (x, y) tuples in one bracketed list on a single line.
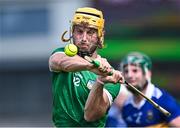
[(136, 117), (150, 115), (77, 78), (90, 83)]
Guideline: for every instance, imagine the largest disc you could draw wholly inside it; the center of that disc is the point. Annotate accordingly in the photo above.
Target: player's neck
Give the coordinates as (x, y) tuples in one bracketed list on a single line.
[(94, 55), (139, 98)]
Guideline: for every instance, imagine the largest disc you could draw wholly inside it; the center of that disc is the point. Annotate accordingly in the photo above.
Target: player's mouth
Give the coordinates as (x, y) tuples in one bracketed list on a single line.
[(131, 82), (84, 47)]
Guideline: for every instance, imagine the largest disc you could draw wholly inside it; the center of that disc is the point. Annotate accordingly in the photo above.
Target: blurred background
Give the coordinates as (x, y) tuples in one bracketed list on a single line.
[(31, 29)]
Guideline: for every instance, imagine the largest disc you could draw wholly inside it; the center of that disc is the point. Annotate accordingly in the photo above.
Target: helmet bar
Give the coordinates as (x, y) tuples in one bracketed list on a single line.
[(89, 14)]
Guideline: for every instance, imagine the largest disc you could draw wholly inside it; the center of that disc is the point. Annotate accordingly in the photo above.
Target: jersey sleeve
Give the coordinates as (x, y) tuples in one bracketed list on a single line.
[(113, 89), (171, 105), (58, 50)]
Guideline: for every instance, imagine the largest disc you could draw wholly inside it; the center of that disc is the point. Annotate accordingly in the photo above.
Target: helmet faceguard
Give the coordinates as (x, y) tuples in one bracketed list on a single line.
[(94, 19), (138, 59)]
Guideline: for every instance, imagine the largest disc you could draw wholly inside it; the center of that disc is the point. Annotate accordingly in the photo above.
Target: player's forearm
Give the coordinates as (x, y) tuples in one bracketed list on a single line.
[(75, 63), (96, 104), (61, 62)]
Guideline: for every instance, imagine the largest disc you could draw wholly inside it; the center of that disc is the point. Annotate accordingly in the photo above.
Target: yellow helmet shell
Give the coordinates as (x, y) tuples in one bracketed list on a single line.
[(92, 16)]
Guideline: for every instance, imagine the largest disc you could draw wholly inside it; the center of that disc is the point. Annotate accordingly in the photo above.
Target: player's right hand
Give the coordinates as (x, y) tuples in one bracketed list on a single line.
[(105, 68)]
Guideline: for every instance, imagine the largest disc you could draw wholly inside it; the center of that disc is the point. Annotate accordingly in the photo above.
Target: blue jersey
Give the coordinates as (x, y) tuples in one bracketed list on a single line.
[(144, 114)]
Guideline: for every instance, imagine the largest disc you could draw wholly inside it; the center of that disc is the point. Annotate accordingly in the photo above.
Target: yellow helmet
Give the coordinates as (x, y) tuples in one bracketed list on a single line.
[(91, 16)]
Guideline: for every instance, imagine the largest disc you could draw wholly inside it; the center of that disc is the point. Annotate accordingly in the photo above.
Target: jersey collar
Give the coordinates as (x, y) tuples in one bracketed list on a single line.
[(149, 93)]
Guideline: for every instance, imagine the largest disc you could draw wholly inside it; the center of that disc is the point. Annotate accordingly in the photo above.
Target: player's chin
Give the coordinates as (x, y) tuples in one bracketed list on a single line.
[(133, 84), (84, 49)]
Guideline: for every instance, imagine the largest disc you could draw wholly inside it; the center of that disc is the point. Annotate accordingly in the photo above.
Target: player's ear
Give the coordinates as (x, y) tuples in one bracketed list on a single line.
[(148, 75), (103, 32), (101, 40)]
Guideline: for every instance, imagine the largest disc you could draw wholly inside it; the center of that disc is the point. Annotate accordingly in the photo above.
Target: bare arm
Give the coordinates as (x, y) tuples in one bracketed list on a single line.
[(98, 101), (62, 62), (175, 122), (96, 104)]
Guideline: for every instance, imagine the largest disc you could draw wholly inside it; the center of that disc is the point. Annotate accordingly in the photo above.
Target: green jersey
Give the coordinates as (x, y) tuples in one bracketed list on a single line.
[(70, 92)]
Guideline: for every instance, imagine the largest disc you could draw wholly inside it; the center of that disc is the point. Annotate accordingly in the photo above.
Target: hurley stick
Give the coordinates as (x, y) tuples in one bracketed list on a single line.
[(164, 111)]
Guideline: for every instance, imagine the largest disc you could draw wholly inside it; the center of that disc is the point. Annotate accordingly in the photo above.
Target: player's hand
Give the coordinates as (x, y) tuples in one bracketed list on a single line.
[(116, 77), (105, 68)]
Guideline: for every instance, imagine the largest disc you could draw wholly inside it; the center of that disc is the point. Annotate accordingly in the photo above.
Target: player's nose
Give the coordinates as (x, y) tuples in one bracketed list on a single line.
[(84, 36), (129, 74)]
